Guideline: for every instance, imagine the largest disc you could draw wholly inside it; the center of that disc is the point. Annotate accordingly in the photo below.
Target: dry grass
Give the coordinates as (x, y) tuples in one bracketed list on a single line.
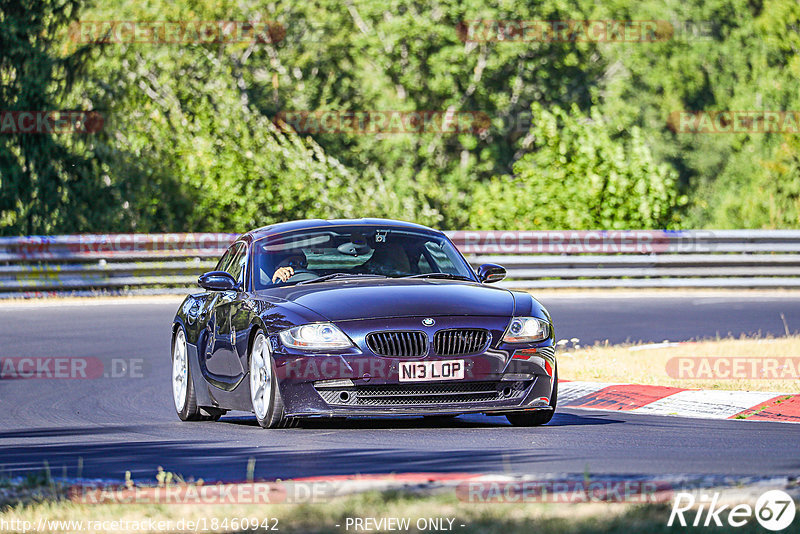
[(643, 364), (324, 517), (332, 516)]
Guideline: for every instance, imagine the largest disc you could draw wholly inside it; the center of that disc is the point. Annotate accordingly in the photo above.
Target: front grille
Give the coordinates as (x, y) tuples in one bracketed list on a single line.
[(409, 344), (424, 394), (460, 341)]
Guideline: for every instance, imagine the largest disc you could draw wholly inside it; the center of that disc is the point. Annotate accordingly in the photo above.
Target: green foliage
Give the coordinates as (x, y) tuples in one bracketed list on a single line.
[(181, 147), (407, 56), (190, 141), (42, 177), (209, 161), (579, 175), (742, 55), (767, 196)]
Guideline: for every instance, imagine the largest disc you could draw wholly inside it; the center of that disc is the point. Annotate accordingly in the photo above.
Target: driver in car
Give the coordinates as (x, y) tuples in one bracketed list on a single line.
[(286, 267)]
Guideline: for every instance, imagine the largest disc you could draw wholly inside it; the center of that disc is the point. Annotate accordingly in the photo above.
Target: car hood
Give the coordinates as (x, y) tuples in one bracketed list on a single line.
[(344, 300)]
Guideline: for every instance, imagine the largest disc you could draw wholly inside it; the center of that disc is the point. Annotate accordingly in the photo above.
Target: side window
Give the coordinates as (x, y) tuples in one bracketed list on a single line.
[(233, 261), (236, 268), (225, 260)]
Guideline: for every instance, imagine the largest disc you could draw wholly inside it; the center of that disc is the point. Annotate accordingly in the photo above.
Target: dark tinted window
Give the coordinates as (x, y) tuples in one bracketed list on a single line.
[(233, 261), (383, 251), (238, 261)]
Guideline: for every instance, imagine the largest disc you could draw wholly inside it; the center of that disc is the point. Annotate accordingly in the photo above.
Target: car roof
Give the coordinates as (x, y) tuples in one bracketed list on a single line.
[(280, 228)]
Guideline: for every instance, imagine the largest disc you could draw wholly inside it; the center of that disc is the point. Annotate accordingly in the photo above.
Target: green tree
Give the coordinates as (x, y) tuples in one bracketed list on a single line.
[(579, 175), (48, 182), (724, 55), (190, 141), (182, 148), (768, 196), (365, 55)]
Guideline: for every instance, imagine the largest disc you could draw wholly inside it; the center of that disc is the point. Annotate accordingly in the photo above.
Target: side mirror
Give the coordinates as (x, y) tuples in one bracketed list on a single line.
[(489, 272), (217, 281)]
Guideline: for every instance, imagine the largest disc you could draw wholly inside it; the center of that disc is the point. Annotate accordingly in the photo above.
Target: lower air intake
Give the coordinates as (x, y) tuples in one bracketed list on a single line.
[(424, 395)]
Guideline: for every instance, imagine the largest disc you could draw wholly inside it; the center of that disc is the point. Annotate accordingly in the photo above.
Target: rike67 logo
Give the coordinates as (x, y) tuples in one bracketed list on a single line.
[(774, 510)]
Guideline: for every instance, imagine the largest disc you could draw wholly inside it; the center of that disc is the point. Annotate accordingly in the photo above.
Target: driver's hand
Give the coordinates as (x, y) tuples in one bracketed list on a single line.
[(283, 273)]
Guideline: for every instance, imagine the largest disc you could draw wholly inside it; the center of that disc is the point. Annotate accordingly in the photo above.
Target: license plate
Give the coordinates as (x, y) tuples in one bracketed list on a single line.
[(436, 370)]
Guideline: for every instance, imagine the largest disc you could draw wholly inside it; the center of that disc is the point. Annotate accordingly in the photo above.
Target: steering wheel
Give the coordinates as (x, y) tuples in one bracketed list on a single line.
[(301, 275)]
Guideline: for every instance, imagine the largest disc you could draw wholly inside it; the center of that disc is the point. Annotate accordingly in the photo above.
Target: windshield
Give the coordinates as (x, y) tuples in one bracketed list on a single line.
[(358, 251)]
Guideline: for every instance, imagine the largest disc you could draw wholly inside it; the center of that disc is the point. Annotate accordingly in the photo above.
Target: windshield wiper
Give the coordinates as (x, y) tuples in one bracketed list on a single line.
[(339, 275), (440, 275)]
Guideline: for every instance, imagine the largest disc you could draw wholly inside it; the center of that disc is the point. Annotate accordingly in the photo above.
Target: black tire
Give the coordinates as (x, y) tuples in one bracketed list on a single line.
[(539, 417), (267, 405)]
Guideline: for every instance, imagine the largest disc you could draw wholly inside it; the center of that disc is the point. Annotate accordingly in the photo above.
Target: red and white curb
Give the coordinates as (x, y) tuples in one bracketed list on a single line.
[(661, 400)]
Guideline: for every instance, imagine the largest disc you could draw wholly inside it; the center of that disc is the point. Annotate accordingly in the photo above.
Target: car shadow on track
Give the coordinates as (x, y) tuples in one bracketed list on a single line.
[(571, 419), (225, 461), (373, 423), (464, 421), (58, 432)]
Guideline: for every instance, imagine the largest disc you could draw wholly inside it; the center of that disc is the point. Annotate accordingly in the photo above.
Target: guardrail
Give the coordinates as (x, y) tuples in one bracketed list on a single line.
[(87, 264), (639, 258), (166, 263)]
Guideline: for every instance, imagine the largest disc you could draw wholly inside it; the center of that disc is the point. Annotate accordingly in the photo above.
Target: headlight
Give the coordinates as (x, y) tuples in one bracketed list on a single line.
[(526, 329), (315, 336)]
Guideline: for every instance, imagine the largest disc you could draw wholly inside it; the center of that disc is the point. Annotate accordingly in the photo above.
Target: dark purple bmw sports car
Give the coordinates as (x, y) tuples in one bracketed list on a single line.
[(359, 317)]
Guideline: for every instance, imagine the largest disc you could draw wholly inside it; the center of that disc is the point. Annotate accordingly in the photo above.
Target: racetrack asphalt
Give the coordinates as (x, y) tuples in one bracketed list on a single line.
[(113, 425)]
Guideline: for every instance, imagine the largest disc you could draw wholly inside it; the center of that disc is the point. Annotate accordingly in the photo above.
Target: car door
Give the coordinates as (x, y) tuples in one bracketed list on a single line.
[(239, 317), (221, 360)]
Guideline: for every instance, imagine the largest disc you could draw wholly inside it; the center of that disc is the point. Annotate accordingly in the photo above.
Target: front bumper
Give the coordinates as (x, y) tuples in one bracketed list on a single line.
[(495, 383)]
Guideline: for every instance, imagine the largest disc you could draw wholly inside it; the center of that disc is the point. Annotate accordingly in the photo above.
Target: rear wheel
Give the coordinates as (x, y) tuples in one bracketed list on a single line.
[(539, 417), (264, 393)]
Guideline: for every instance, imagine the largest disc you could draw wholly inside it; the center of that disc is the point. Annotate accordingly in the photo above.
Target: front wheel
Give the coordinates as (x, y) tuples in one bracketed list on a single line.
[(539, 417), (183, 395), (264, 393)]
